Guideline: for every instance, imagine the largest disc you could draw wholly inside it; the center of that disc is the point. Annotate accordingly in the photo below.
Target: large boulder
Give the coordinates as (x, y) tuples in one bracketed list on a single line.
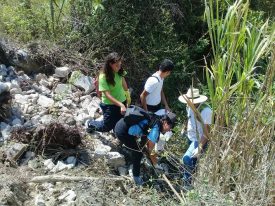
[(80, 80)]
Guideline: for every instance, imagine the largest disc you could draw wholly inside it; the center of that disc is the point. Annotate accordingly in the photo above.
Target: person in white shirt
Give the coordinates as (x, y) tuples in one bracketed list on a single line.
[(152, 96), (197, 131)]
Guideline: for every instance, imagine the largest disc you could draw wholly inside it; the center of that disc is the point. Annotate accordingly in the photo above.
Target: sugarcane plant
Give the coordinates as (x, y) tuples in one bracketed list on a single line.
[(241, 90), (237, 48)]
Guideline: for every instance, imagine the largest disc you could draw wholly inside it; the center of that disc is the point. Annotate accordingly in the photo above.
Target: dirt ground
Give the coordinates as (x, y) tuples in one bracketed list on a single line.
[(16, 187)]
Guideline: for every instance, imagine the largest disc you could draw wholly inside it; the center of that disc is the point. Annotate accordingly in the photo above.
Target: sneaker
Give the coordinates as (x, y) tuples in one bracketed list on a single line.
[(89, 128), (138, 180), (93, 94), (187, 185), (130, 171)]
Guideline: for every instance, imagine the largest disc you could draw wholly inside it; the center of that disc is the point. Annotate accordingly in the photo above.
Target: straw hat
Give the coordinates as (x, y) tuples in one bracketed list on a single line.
[(196, 98)]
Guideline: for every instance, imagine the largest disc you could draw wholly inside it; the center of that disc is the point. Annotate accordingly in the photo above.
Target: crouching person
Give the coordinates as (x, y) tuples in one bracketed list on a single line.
[(140, 140), (197, 131)]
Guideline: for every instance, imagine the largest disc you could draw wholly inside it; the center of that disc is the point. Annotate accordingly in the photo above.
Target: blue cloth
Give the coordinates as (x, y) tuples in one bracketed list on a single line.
[(136, 130), (138, 180), (190, 162)]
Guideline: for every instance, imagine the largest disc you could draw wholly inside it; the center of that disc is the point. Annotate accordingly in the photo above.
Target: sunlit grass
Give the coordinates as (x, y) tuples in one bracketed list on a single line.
[(240, 158)]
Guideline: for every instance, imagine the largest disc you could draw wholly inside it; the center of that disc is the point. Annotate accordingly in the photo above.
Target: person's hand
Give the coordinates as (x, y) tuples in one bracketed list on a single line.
[(162, 168), (122, 109), (195, 153), (147, 163), (168, 135), (159, 167), (128, 97), (183, 132), (167, 109)]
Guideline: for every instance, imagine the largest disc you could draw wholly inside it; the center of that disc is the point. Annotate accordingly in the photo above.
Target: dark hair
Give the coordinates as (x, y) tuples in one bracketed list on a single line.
[(170, 118), (107, 69), (166, 65)]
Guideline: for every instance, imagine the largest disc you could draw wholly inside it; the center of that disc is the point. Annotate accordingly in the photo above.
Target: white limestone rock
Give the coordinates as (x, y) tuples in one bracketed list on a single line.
[(62, 72), (115, 159), (4, 87), (80, 80), (5, 130), (102, 150), (45, 101), (68, 196), (46, 119), (63, 89), (17, 122)]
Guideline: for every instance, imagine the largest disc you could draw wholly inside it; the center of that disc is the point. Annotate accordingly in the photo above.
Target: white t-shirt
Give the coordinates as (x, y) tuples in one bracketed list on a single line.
[(194, 125), (153, 87)]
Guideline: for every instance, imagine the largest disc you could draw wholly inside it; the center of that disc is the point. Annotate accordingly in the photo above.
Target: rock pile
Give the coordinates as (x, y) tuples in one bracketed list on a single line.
[(40, 99), (48, 112)]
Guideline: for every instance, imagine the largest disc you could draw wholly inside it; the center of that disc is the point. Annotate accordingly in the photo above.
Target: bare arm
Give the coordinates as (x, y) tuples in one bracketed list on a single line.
[(163, 100), (143, 96), (153, 157)]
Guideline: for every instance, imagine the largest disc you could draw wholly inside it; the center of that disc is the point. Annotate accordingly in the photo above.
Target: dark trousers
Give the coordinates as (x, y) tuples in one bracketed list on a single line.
[(154, 108), (121, 132), (111, 115)]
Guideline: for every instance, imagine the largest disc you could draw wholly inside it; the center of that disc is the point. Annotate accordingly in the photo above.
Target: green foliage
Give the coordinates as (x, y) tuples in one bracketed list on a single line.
[(241, 152), (268, 6), (145, 33), (237, 47), (27, 20)]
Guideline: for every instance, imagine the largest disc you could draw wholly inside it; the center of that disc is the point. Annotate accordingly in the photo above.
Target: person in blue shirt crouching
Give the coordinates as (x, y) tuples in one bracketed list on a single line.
[(138, 140)]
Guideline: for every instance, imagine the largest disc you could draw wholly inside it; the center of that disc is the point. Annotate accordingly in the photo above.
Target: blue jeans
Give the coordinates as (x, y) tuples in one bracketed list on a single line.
[(190, 162), (111, 115)]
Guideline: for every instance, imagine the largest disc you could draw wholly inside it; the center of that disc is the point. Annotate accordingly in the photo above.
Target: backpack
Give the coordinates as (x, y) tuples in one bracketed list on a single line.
[(144, 82), (154, 77), (134, 115)]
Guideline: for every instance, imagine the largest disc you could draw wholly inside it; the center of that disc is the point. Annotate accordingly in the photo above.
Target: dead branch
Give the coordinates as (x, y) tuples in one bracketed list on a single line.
[(173, 189), (64, 178)]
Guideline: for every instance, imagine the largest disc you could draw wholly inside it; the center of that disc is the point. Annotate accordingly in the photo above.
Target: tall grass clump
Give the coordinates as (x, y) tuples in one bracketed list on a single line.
[(240, 158)]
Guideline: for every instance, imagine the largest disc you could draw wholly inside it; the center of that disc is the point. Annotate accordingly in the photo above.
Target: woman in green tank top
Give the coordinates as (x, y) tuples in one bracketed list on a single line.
[(114, 90)]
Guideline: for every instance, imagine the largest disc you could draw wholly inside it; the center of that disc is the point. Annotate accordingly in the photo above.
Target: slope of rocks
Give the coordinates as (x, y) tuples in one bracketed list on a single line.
[(42, 136)]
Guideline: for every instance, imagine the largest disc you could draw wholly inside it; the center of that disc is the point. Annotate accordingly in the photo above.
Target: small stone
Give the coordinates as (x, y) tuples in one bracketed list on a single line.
[(62, 72), (71, 160), (116, 159), (122, 171), (69, 196), (39, 201), (16, 151), (49, 164), (16, 121)]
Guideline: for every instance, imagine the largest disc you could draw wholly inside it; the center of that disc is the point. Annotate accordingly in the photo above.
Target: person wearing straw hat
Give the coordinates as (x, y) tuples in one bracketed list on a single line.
[(199, 120)]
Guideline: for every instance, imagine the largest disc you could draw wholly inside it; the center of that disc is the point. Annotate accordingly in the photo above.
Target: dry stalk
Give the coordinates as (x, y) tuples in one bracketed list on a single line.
[(64, 178), (181, 199)]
